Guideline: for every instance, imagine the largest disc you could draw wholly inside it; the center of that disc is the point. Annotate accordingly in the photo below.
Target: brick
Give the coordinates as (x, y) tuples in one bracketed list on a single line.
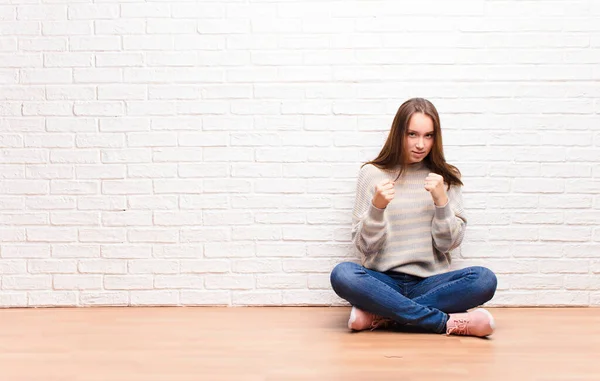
[(52, 299), (205, 298), (126, 251), (77, 282), (229, 282), (128, 282), (104, 298), (256, 298), (188, 281), (102, 266), (205, 266), (154, 298)]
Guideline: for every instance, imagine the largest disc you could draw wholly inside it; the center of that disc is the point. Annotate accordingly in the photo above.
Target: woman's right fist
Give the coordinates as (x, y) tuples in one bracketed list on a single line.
[(384, 194)]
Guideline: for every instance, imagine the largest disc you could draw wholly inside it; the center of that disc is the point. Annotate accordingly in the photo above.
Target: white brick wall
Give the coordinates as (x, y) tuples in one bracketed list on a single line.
[(202, 153)]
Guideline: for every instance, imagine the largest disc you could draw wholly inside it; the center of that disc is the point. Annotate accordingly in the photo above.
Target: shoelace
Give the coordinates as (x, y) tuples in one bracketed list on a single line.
[(461, 327), (380, 322)]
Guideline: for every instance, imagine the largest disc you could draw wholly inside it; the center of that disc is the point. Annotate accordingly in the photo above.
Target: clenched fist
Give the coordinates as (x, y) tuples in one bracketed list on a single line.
[(434, 184), (384, 194)]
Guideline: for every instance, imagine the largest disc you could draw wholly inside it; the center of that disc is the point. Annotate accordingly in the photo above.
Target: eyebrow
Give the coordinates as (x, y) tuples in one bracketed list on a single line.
[(427, 133)]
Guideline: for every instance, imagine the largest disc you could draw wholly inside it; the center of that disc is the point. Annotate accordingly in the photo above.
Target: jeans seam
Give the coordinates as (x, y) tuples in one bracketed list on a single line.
[(443, 323)]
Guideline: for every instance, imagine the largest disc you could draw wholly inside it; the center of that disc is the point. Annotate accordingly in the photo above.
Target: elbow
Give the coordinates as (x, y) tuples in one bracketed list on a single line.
[(449, 238), (368, 247), (444, 249), (445, 246)]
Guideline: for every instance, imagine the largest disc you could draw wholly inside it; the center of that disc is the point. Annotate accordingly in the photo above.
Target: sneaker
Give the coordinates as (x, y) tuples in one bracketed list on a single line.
[(475, 323), (361, 320)]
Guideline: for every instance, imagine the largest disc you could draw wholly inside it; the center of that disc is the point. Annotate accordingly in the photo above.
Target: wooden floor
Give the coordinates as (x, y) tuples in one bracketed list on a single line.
[(299, 343)]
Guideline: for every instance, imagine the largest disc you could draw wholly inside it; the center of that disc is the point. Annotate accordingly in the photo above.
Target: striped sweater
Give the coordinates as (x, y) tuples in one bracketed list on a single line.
[(411, 235)]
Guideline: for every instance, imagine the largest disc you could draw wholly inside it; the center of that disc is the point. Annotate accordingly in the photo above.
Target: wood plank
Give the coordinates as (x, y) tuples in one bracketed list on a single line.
[(287, 343)]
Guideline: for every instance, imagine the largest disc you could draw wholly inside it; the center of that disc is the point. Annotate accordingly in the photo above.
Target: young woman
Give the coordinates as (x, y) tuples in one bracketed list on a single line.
[(407, 219)]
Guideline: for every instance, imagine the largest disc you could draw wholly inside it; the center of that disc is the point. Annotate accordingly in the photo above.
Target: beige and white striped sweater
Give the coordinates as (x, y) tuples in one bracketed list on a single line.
[(411, 235)]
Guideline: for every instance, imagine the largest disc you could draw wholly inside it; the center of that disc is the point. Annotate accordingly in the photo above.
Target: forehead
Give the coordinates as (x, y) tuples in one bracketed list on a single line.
[(420, 122)]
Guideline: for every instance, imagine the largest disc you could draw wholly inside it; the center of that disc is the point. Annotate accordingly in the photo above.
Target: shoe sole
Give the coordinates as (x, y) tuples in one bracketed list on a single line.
[(489, 315), (352, 318)]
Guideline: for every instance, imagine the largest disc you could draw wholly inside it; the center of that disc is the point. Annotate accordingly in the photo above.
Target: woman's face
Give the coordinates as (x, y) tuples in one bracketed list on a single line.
[(419, 137)]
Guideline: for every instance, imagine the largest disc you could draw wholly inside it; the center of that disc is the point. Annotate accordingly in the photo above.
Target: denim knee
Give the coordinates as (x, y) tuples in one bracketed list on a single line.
[(486, 281), (342, 274)]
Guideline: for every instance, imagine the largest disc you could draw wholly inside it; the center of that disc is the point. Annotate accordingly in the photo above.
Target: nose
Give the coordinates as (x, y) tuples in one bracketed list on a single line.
[(420, 144)]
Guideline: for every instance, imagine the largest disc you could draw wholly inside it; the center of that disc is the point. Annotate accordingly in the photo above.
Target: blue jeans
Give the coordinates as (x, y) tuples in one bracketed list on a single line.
[(411, 300)]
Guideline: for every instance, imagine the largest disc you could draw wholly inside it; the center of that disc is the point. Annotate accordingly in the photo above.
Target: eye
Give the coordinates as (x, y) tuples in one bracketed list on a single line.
[(429, 136), (412, 134)]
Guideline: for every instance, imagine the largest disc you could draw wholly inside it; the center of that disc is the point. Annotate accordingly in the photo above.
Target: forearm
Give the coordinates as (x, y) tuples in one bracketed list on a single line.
[(447, 229), (369, 233)]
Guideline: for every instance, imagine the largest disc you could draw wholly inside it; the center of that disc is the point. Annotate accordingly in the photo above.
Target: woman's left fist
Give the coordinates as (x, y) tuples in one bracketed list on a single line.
[(434, 184)]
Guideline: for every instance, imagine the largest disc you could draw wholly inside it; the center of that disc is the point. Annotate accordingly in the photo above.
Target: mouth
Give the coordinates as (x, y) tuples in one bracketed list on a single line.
[(419, 153)]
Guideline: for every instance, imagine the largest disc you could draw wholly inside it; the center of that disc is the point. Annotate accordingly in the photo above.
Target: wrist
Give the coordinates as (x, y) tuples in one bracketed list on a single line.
[(376, 214), (377, 206), (441, 201)]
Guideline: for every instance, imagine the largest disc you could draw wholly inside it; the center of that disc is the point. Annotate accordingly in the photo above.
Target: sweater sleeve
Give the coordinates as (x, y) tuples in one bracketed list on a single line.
[(449, 222), (369, 226)]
